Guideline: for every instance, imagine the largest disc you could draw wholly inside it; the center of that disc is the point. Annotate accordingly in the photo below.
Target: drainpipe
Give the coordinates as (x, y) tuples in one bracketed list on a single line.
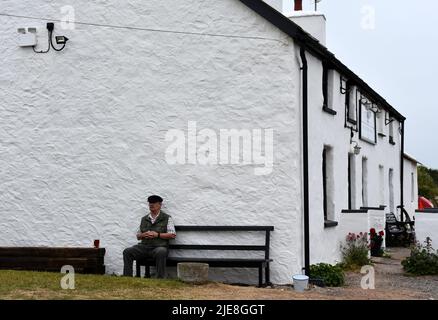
[(402, 170), (305, 162)]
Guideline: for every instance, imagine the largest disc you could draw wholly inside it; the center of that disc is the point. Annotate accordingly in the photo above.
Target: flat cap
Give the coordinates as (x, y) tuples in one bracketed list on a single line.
[(155, 199)]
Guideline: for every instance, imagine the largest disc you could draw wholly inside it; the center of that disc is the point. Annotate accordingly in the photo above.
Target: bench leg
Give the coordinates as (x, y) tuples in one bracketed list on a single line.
[(260, 276), (268, 275), (137, 270), (147, 272)]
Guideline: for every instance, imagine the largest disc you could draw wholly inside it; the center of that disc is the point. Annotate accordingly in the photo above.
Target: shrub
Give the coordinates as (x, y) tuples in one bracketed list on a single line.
[(333, 276), (423, 260), (355, 251)]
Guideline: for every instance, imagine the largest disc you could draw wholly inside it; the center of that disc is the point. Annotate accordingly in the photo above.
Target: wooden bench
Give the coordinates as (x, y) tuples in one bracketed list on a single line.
[(261, 263), (399, 233), (84, 260)]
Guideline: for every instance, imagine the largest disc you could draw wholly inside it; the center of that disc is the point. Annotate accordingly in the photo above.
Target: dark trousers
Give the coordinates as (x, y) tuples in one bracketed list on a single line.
[(141, 251)]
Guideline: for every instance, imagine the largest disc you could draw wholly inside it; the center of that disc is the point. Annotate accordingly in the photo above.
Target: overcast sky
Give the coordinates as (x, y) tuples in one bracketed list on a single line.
[(398, 58)]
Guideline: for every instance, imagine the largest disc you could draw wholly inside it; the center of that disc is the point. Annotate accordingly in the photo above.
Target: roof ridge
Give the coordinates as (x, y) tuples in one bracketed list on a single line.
[(315, 47)]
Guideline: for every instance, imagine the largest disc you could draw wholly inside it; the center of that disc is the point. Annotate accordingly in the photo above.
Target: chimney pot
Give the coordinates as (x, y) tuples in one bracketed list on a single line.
[(298, 5)]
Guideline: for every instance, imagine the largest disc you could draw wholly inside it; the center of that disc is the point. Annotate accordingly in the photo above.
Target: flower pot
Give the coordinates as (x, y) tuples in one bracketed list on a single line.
[(376, 247)]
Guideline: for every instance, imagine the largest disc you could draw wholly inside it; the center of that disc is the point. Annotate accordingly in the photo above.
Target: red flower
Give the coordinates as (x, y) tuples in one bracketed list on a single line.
[(373, 231), (381, 233)]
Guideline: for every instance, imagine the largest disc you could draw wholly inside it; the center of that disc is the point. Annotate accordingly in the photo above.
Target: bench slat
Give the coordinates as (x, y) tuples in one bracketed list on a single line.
[(224, 228), (216, 247), (213, 262)]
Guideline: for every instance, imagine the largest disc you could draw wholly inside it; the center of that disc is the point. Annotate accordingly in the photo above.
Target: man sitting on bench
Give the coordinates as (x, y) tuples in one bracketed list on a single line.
[(156, 229)]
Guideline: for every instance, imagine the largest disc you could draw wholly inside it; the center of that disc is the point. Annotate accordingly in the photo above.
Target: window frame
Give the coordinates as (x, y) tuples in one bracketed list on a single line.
[(361, 137), (325, 89), (348, 92)]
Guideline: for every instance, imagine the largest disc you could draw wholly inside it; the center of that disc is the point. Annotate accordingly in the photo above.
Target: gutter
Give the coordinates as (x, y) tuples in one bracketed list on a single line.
[(305, 161), (402, 171)]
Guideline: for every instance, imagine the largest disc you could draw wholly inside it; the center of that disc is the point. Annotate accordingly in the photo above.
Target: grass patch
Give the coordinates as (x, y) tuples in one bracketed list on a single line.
[(44, 285)]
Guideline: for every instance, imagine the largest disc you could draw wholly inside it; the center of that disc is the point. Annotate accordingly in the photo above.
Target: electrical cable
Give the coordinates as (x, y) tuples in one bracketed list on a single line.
[(49, 41), (147, 29)]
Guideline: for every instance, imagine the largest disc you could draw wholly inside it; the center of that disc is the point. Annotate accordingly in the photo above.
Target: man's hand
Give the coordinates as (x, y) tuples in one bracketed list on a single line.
[(150, 234), (140, 236)]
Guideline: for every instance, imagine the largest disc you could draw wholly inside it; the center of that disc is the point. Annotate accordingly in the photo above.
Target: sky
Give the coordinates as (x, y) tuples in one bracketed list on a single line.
[(392, 45)]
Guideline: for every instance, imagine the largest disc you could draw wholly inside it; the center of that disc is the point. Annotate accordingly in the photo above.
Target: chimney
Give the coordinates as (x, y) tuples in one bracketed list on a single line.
[(311, 21), (284, 6)]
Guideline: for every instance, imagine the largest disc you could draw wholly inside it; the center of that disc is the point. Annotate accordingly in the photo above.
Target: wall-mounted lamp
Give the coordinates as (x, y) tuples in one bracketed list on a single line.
[(61, 39), (370, 105), (374, 108), (355, 148)]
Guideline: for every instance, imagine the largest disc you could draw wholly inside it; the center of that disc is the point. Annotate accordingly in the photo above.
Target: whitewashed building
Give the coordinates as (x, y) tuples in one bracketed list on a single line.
[(87, 133)]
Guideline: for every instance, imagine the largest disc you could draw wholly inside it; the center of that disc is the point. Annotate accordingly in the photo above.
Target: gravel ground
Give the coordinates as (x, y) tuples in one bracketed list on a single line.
[(390, 275), (391, 283)]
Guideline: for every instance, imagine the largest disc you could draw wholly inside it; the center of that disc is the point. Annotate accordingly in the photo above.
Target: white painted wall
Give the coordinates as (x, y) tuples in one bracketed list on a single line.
[(410, 192), (426, 225), (377, 220), (352, 223), (82, 131), (326, 129)]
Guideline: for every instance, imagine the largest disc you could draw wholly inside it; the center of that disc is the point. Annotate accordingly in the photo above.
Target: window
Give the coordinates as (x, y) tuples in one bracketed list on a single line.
[(412, 187), (391, 132), (351, 182), (391, 191), (382, 184), (327, 89), (328, 183), (381, 123), (364, 182), (350, 103), (367, 122)]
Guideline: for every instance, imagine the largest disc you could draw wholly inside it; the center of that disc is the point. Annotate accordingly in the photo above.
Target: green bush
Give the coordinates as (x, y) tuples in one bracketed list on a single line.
[(333, 276), (422, 261), (355, 252)]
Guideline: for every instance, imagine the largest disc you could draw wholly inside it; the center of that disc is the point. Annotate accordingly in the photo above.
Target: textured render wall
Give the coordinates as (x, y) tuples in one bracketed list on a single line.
[(352, 222), (82, 131), (426, 225), (377, 220), (325, 241), (357, 223)]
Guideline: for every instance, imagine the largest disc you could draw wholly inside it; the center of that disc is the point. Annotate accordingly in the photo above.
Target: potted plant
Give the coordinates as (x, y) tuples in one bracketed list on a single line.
[(376, 240)]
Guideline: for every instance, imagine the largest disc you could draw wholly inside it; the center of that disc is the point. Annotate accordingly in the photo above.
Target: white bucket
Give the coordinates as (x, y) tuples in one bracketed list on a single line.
[(301, 282)]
